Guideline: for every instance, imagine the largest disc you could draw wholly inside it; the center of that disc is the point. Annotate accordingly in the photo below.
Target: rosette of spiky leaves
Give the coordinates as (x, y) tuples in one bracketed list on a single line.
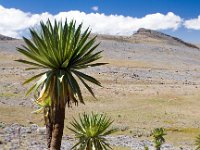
[(46, 104), (60, 51), (158, 135), (197, 142), (91, 130)]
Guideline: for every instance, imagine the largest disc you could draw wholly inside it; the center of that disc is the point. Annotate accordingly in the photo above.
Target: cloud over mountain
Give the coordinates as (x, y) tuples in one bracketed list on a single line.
[(193, 23), (15, 22)]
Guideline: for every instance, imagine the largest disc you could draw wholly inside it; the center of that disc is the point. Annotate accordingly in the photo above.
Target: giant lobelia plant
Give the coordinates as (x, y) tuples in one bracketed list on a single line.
[(60, 51)]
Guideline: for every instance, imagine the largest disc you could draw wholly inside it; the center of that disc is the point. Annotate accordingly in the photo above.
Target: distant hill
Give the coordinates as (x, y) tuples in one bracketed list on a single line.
[(3, 38), (149, 36), (146, 35), (141, 36)]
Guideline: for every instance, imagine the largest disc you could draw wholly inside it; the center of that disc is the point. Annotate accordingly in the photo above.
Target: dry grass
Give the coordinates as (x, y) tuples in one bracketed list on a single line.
[(121, 148), (135, 115), (132, 115), (17, 114), (136, 107), (126, 63)]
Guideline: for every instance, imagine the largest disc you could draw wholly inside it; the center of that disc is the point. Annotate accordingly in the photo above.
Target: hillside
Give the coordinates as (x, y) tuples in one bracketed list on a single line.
[(151, 37), (152, 80), (145, 35), (3, 38)]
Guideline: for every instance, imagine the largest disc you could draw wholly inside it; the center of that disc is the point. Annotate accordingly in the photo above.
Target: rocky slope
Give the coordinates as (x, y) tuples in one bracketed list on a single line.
[(3, 38), (149, 36)]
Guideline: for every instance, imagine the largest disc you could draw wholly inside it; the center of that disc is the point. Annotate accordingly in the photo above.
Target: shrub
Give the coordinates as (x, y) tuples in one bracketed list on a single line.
[(158, 134), (91, 130)]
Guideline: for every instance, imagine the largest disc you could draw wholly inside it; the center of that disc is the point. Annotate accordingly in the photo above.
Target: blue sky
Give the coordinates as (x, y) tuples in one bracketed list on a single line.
[(176, 17), (139, 8)]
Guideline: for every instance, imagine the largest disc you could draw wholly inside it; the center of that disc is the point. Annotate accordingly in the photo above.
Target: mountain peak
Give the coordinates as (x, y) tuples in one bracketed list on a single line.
[(159, 36), (143, 30)]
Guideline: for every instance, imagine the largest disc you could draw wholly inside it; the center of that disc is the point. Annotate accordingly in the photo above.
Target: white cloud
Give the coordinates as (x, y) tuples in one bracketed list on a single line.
[(14, 22), (95, 8), (193, 23)]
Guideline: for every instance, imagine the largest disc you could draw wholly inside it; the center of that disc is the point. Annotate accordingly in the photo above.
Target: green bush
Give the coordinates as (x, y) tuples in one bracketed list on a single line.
[(158, 134), (91, 130)]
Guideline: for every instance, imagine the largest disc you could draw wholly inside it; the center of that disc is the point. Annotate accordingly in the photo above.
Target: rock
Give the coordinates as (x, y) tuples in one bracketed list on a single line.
[(17, 129), (15, 126), (34, 143), (8, 130), (24, 130), (66, 145), (41, 130), (7, 138), (167, 146), (34, 127)]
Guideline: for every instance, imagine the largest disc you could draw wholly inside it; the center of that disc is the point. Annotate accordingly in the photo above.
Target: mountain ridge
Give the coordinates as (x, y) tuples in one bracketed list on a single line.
[(149, 36), (162, 36), (3, 38), (141, 36)]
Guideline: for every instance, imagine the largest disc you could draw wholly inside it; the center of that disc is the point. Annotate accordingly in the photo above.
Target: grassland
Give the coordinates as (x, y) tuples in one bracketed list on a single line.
[(137, 104)]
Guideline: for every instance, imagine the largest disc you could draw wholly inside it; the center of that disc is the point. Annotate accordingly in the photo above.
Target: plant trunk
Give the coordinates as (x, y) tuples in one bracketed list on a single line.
[(57, 130), (49, 129), (158, 148), (88, 146)]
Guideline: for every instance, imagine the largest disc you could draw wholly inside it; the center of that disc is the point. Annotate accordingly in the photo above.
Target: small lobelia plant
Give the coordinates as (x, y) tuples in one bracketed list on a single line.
[(91, 130), (146, 148), (158, 134), (197, 142)]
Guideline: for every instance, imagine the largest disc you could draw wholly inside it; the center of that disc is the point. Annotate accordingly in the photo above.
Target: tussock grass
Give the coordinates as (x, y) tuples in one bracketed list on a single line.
[(121, 148), (17, 114)]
